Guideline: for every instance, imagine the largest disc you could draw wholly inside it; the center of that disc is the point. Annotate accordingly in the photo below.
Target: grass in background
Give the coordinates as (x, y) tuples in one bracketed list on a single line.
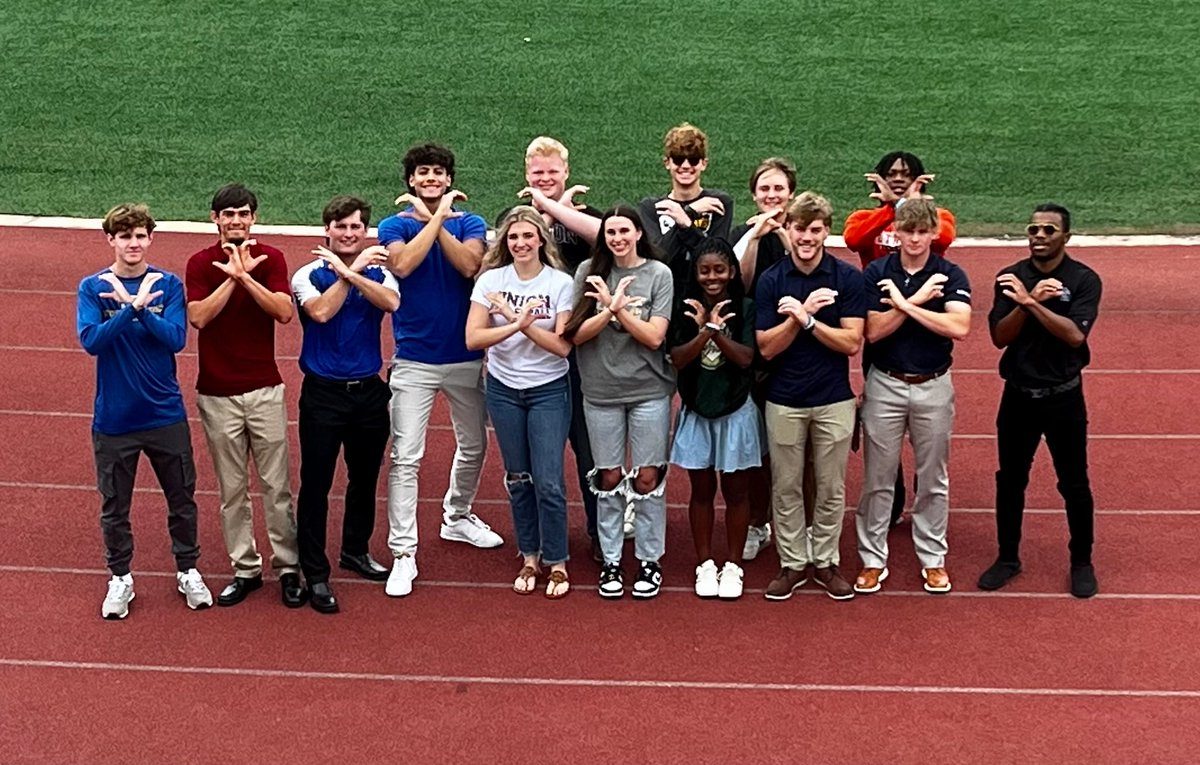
[(1086, 102)]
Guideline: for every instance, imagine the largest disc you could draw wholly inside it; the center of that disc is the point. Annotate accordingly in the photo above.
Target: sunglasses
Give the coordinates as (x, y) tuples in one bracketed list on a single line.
[(1049, 229), (679, 160)]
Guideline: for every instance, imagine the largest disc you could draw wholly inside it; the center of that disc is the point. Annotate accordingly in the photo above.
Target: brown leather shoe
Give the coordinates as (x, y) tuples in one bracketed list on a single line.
[(870, 580), (936, 580), (788, 581), (837, 587)]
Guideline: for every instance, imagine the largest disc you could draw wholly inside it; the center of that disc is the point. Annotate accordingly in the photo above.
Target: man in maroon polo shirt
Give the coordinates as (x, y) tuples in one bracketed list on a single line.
[(237, 290)]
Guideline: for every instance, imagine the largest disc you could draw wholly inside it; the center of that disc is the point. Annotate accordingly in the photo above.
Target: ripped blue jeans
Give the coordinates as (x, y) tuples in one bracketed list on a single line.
[(646, 428)]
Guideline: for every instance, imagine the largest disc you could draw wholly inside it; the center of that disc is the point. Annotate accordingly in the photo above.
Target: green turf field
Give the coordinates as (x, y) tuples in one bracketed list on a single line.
[(1092, 103)]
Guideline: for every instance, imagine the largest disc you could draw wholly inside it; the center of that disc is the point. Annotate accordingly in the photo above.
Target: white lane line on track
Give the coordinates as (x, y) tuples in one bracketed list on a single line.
[(584, 682), (683, 590), (335, 500)]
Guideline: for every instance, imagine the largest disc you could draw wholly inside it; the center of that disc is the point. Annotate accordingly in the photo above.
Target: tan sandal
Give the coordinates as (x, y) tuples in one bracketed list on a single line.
[(526, 581), (558, 579)]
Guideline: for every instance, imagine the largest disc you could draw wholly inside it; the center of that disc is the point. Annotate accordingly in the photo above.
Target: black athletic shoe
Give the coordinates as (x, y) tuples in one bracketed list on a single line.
[(612, 581), (998, 574), (1083, 581), (649, 580)]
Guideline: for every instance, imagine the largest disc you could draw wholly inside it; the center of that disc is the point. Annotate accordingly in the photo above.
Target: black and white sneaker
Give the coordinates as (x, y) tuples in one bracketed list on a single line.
[(612, 581), (649, 580)]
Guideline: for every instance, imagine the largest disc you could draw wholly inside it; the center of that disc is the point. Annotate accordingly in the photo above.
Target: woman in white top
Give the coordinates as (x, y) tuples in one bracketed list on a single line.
[(519, 306)]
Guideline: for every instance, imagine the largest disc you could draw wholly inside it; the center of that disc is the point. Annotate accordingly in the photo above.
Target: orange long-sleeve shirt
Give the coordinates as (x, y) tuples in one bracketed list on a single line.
[(869, 232)]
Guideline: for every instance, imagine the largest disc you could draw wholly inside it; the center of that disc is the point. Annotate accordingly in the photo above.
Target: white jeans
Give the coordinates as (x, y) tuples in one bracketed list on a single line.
[(414, 387)]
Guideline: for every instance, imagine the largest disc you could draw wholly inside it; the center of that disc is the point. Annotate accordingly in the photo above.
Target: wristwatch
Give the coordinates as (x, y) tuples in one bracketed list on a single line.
[(712, 326), (812, 322)]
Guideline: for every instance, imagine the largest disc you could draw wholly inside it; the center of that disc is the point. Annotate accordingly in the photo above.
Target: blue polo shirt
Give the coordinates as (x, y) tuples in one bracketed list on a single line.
[(347, 346), (912, 348), (431, 324), (809, 373)]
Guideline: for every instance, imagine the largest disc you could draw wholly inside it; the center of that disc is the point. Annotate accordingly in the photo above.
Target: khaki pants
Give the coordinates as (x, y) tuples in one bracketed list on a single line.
[(829, 429), (236, 427)]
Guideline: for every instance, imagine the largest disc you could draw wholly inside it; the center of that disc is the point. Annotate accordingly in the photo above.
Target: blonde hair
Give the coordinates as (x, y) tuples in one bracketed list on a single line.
[(545, 146), (499, 255), (916, 213), (685, 139), (810, 206)]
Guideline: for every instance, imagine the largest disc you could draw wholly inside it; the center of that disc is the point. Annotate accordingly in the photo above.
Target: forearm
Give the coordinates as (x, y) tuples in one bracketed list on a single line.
[(1008, 328), (376, 294), (96, 335), (739, 354), (170, 329), (480, 337), (954, 325), (880, 324), (201, 312), (548, 341), (682, 355), (592, 327), (325, 306), (404, 257), (847, 340), (466, 257), (746, 251), (774, 341), (1061, 327), (278, 305), (580, 223), (649, 333)]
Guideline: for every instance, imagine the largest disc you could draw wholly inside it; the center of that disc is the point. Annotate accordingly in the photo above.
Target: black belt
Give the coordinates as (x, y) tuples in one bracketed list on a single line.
[(349, 386), (1071, 384), (913, 379)]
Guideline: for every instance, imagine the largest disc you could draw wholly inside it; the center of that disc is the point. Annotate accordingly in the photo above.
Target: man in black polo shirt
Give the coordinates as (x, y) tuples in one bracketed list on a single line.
[(344, 296), (1045, 307), (811, 309), (918, 304)]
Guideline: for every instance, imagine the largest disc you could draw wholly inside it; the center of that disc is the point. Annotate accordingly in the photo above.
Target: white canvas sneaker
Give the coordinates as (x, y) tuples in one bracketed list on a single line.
[(731, 582), (472, 530), (191, 584), (400, 581), (120, 593), (706, 579)]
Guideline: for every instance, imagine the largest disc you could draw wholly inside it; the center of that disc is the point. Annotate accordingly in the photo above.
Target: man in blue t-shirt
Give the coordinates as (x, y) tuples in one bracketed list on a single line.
[(343, 297), (435, 252), (131, 317)]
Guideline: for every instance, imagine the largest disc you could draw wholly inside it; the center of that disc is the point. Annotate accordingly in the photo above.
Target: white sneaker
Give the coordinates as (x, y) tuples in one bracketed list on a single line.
[(630, 516), (472, 530), (120, 593), (731, 582), (757, 538), (404, 571), (706, 579), (191, 584)]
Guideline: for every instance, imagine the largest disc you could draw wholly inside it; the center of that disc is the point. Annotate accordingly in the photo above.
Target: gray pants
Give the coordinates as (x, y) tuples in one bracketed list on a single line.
[(646, 427), (926, 411), (169, 450)]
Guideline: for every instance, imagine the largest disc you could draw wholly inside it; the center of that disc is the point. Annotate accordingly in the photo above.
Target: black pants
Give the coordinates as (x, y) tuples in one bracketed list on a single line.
[(1020, 425), (336, 416), (169, 450), (578, 437)]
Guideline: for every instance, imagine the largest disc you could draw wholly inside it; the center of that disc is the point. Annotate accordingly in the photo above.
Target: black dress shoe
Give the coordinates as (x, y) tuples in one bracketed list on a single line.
[(293, 593), (237, 590), (321, 598), (365, 566)]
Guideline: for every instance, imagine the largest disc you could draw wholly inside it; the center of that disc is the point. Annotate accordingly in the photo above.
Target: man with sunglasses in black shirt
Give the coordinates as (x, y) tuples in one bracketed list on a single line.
[(1044, 308)]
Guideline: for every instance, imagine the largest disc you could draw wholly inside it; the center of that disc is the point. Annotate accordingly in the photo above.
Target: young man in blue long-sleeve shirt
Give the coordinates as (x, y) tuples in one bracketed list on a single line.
[(131, 317)]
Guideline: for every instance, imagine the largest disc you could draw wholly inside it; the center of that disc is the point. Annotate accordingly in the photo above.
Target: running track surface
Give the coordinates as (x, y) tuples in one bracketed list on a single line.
[(463, 671)]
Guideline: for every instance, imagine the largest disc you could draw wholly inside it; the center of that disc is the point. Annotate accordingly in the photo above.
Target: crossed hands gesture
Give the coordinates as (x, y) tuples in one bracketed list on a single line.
[(372, 256), (1042, 291), (766, 222), (241, 262), (523, 318), (538, 197), (421, 213), (143, 297), (801, 311), (884, 193), (614, 301), (704, 318), (932, 288)]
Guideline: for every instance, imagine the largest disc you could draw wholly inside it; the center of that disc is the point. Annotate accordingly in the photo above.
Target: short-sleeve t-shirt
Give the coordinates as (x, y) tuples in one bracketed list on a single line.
[(346, 347), (614, 368), (771, 250), (711, 385), (431, 324), (236, 348), (517, 361)]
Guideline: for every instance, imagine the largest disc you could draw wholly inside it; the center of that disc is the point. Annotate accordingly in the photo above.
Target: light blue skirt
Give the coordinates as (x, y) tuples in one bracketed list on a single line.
[(731, 443)]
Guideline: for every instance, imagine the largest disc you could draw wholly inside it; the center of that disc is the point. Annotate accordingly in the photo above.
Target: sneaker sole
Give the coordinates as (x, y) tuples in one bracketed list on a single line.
[(197, 606), (790, 592), (645, 595), (452, 537), (611, 595), (118, 616), (878, 584)]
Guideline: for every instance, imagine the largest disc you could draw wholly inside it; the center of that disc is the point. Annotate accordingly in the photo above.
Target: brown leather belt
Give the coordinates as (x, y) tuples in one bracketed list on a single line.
[(913, 379)]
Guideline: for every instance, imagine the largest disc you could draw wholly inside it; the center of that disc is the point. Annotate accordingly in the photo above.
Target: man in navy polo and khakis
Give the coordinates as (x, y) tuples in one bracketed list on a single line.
[(918, 305), (344, 296)]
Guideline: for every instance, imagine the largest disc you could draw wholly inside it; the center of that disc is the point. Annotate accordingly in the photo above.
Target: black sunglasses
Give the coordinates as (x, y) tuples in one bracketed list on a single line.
[(691, 159), (1049, 229)]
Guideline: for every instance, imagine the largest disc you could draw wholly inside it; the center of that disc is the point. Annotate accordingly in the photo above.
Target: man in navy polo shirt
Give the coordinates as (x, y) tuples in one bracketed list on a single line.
[(435, 251), (811, 309), (918, 305), (343, 296)]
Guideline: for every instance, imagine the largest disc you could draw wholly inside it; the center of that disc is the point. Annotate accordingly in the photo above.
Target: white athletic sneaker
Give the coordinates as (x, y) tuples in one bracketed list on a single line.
[(116, 602), (191, 584), (472, 530), (731, 582), (706, 579), (757, 537), (404, 571), (630, 516)]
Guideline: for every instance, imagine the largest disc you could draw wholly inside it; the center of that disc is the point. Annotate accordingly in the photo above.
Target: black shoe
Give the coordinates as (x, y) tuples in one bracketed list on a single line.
[(293, 593), (321, 598), (365, 566), (998, 574), (1083, 581), (237, 590), (649, 580), (612, 581)]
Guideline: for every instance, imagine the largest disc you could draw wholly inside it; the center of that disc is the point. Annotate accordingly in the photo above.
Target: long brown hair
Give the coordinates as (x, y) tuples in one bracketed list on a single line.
[(602, 262)]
